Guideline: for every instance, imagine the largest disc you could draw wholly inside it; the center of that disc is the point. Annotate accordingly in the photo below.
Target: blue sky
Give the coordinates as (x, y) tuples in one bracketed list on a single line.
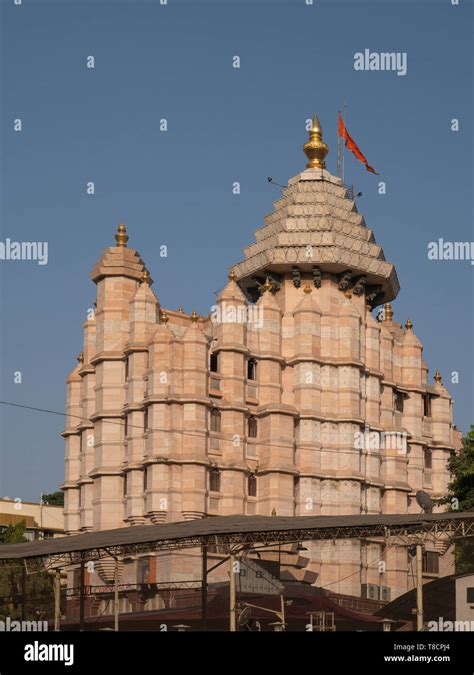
[(174, 188)]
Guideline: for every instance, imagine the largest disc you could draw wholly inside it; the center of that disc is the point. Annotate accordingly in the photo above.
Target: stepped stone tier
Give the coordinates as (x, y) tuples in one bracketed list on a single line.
[(291, 397), (316, 228)]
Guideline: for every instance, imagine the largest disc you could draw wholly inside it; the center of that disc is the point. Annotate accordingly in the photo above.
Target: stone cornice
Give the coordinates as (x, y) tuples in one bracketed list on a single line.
[(149, 400), (401, 487), (69, 485), (107, 356), (276, 408), (85, 480), (132, 347), (87, 369), (324, 361), (232, 347), (98, 471), (319, 417), (106, 414), (70, 431)]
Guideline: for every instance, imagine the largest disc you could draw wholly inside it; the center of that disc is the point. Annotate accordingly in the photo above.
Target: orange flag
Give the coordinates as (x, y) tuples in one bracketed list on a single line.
[(351, 144)]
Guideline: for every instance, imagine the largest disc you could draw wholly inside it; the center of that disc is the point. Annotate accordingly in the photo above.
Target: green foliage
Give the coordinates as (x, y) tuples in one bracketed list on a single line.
[(13, 534), (54, 498), (38, 586), (461, 498)]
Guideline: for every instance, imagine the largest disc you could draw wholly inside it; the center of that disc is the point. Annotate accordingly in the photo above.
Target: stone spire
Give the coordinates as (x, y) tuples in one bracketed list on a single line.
[(119, 260), (316, 230), (315, 149)]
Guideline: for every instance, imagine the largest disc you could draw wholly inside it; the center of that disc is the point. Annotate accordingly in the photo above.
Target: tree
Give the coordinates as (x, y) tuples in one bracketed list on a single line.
[(461, 498), (54, 498), (13, 534), (39, 602)]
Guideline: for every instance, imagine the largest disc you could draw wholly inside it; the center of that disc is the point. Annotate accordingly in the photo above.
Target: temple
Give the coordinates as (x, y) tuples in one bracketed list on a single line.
[(299, 394)]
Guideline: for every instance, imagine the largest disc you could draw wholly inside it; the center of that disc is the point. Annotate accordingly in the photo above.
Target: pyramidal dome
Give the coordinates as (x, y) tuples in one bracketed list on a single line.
[(316, 228)]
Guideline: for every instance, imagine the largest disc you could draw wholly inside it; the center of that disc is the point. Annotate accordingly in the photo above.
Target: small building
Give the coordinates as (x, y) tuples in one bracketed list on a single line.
[(42, 520), (448, 605)]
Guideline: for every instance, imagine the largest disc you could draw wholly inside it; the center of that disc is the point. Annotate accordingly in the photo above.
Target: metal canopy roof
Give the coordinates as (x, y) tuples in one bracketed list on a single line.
[(235, 530)]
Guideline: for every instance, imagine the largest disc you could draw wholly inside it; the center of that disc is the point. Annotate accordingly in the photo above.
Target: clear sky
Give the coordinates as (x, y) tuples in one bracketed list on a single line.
[(225, 124)]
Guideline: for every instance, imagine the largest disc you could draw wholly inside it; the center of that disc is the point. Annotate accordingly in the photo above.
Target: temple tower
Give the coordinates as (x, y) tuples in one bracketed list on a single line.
[(299, 394)]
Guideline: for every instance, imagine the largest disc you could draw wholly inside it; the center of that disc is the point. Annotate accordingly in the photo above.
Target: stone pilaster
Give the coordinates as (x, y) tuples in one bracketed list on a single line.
[(144, 310), (72, 438)]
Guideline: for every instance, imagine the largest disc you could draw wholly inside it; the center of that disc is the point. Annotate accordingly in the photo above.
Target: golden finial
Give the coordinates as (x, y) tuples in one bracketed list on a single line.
[(315, 149), (408, 324), (146, 278), (232, 276), (437, 377), (274, 511), (307, 289), (194, 316), (388, 311), (121, 237), (267, 286), (80, 357), (164, 318)]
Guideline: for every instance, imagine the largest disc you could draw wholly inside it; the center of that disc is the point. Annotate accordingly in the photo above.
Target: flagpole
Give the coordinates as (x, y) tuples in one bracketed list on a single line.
[(338, 149), (343, 145)]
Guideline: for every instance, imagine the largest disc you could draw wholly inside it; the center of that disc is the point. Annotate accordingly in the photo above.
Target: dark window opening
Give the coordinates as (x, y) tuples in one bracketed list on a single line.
[(251, 369), (215, 480), (252, 486), (145, 420), (427, 405), (126, 369), (252, 427), (398, 401), (215, 420), (145, 480), (431, 562), (214, 362), (427, 459)]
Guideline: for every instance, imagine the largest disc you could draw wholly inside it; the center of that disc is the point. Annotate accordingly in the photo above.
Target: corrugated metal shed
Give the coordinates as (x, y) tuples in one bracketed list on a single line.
[(238, 528)]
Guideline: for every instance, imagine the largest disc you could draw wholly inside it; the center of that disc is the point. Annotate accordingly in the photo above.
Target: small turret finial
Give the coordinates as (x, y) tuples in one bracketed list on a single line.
[(164, 318), (388, 311), (121, 237), (194, 316), (80, 357), (307, 289), (232, 276), (408, 324), (437, 377), (267, 286), (315, 149), (146, 278)]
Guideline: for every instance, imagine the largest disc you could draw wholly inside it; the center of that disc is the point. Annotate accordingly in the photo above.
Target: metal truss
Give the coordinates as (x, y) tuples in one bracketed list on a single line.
[(442, 530)]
